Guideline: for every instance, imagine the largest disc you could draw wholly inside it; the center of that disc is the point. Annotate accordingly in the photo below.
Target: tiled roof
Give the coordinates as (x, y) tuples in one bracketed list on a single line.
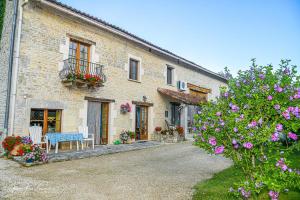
[(190, 63), (182, 97)]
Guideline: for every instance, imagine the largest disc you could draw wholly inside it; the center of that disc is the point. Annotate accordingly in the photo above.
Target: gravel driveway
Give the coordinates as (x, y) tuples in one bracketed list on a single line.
[(164, 172)]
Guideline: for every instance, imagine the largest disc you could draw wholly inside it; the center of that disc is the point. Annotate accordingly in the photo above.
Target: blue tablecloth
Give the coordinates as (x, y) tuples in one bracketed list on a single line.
[(64, 137)]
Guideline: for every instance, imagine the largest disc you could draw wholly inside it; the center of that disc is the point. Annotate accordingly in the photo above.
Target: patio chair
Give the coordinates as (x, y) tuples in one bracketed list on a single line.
[(86, 136), (35, 133)]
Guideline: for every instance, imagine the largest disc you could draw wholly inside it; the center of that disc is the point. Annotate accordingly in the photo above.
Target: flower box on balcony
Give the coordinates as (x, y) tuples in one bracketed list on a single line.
[(67, 83), (87, 75)]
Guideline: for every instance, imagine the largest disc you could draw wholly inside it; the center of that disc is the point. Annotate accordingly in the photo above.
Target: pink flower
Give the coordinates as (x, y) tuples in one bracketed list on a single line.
[(234, 108), (275, 137), (270, 98), (252, 124), (290, 109), (278, 88), (262, 76), (217, 129), (212, 141), (280, 163), (219, 149), (277, 106), (274, 195), (279, 127), (292, 136), (234, 141), (248, 145), (286, 115), (219, 114), (235, 129)]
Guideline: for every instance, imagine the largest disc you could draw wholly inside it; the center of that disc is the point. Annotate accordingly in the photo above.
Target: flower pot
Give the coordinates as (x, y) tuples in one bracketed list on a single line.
[(67, 83), (80, 83), (29, 161)]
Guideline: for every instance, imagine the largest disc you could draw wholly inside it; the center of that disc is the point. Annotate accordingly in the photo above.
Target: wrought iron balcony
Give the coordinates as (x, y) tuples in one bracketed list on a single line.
[(82, 73)]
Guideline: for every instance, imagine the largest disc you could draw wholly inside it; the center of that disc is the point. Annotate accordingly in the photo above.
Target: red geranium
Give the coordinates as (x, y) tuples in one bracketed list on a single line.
[(10, 141)]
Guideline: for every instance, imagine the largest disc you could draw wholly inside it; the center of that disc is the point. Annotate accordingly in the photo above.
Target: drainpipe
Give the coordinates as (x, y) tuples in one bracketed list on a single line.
[(10, 64), (14, 67)]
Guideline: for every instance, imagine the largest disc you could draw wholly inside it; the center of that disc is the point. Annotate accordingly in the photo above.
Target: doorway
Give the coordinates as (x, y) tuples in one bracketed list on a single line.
[(141, 123), (175, 114), (97, 121)]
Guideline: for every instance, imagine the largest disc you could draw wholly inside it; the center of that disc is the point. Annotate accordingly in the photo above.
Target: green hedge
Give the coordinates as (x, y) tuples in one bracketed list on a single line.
[(2, 11)]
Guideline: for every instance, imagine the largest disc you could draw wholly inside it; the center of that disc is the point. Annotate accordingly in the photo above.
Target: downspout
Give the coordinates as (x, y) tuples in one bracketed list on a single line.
[(15, 67), (10, 64)]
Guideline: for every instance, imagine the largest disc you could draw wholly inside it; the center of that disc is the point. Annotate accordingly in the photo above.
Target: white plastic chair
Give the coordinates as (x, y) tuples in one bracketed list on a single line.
[(35, 133), (86, 136)]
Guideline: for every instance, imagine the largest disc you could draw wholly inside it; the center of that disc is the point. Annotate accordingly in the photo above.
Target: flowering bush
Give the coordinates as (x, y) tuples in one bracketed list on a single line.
[(9, 143), (36, 155), (256, 123), (26, 140)]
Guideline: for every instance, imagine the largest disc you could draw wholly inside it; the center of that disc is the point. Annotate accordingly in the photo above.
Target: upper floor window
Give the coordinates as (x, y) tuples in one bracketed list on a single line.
[(170, 75), (133, 69), (79, 55)]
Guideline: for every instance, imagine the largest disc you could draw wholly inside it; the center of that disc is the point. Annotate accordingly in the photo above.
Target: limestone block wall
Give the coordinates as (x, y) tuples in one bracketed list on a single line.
[(4, 57), (45, 35)]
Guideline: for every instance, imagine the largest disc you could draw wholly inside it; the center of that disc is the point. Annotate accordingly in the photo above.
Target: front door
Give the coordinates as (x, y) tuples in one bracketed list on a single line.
[(104, 123), (141, 123), (94, 120), (97, 121)]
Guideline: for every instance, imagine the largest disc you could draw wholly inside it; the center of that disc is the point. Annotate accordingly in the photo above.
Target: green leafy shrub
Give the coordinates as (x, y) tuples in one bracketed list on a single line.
[(2, 12), (256, 123)]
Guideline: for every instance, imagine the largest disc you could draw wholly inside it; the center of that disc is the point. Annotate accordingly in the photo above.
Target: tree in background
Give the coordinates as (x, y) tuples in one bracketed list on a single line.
[(2, 12)]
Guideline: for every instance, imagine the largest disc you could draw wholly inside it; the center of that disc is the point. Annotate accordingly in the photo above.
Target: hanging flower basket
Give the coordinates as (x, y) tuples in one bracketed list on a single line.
[(125, 108)]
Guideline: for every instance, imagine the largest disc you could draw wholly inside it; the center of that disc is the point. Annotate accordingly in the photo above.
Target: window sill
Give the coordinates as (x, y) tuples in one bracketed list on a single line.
[(134, 80), (171, 85)]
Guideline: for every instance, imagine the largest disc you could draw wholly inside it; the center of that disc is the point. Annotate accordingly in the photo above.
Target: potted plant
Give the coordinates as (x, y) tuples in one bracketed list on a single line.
[(124, 136), (180, 131), (125, 108), (132, 136), (158, 129), (93, 80)]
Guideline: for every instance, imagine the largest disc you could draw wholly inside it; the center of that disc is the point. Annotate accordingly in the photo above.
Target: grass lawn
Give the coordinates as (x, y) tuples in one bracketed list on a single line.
[(218, 186)]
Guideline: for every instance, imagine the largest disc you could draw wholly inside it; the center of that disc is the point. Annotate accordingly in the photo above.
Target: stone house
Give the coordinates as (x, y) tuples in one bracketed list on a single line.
[(58, 48)]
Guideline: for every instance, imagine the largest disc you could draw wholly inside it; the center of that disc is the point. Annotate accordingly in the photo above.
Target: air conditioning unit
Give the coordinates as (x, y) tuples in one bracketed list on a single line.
[(182, 85)]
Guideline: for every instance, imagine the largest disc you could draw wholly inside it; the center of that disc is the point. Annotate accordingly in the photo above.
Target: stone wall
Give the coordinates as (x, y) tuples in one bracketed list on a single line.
[(4, 57), (44, 44)]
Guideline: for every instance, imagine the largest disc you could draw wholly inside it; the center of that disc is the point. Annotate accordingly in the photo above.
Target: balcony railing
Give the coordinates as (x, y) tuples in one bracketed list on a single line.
[(82, 73)]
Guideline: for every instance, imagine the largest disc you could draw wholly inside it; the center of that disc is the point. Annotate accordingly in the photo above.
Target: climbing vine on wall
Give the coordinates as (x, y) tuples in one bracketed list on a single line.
[(2, 11)]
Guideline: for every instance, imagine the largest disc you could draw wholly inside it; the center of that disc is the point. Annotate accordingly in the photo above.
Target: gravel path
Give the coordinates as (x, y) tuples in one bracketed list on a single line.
[(164, 172)]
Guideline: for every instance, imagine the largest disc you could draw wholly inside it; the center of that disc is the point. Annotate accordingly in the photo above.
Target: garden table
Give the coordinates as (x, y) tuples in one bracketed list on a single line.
[(55, 138)]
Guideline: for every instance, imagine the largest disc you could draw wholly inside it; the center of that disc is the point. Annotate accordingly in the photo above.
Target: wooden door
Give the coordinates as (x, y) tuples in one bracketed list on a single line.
[(141, 123), (94, 120), (104, 122)]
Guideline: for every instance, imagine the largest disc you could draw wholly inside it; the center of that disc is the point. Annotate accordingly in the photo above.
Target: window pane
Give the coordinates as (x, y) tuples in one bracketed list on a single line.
[(37, 117), (133, 70), (169, 75)]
